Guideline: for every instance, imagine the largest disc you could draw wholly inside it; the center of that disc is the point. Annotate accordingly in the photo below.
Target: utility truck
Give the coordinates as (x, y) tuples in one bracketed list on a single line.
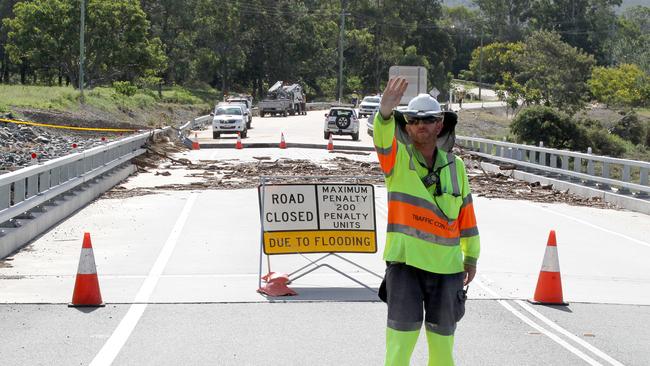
[(283, 100)]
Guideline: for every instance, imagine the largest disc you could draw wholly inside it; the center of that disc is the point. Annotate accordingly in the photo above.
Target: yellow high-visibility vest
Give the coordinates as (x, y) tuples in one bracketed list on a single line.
[(434, 233)]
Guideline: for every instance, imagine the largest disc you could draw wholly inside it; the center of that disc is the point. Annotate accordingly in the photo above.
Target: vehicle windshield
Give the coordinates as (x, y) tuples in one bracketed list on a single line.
[(340, 113), (240, 101), (231, 110), (371, 99)]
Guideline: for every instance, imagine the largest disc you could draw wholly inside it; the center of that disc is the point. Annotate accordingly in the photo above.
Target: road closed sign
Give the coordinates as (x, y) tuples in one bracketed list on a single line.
[(318, 218)]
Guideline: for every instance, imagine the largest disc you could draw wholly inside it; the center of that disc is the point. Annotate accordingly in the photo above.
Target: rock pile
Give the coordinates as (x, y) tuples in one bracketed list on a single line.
[(18, 142)]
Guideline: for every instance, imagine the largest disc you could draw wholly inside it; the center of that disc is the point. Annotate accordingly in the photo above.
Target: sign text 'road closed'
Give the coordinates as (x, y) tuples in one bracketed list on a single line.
[(316, 218)]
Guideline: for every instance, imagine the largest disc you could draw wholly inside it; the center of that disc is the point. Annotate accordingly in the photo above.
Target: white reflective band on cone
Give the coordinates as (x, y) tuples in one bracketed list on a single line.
[(87, 262), (551, 262)]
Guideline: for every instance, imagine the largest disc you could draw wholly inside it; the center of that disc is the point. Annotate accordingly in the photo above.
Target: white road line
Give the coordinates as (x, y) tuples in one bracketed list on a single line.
[(539, 328), (114, 344), (646, 244), (568, 334)]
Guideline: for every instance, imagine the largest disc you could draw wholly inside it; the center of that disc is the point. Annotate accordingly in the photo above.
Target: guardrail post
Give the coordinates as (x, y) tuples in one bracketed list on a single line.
[(625, 178), (605, 174), (565, 162), (590, 168), (498, 151), (32, 186), (5, 198), (643, 180), (577, 167), (55, 176), (532, 156), (19, 191), (542, 155), (44, 181)]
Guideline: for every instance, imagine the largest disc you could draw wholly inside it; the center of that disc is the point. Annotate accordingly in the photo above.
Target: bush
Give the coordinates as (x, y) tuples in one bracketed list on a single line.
[(555, 129), (179, 96), (630, 128), (125, 88), (604, 143), (4, 108)]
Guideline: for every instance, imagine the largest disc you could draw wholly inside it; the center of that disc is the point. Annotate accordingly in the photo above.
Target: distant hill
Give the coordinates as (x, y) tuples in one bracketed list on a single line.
[(624, 5)]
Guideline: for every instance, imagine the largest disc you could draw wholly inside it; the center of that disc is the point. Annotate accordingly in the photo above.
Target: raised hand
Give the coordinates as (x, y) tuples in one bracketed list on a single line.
[(392, 95)]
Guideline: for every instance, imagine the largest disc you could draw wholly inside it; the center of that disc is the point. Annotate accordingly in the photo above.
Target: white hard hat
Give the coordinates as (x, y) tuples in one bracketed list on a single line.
[(423, 106)]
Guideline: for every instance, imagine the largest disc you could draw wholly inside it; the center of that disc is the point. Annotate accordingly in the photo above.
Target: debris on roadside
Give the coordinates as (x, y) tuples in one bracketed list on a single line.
[(236, 174)]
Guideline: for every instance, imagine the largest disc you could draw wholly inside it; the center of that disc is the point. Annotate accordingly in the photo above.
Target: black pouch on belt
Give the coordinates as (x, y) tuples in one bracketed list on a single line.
[(383, 296)]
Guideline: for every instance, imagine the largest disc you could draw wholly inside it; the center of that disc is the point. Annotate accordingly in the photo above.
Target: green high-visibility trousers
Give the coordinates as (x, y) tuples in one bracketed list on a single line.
[(400, 345)]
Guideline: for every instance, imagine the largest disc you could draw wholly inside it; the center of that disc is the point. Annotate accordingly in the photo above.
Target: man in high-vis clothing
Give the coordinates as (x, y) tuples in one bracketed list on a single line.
[(432, 242)]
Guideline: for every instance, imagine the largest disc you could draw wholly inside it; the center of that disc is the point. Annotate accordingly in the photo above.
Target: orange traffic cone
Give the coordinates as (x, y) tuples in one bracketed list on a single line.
[(549, 283), (283, 144), (195, 145), (330, 144), (86, 286), (238, 145)]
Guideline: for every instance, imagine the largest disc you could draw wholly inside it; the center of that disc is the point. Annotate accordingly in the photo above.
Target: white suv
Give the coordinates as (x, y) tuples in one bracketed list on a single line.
[(341, 121), (229, 118), (246, 103), (369, 105)]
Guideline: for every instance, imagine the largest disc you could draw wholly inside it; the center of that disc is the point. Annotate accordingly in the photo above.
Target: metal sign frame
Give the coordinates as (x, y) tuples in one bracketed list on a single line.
[(313, 264)]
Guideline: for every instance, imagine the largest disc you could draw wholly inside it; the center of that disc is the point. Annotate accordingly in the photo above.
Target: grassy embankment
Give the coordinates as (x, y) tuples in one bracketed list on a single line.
[(145, 107)]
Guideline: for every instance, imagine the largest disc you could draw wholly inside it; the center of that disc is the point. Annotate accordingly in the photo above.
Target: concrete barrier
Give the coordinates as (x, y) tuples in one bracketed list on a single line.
[(28, 226)]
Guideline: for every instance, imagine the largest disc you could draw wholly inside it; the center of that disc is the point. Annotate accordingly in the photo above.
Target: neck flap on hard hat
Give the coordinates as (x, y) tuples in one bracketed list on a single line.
[(446, 137)]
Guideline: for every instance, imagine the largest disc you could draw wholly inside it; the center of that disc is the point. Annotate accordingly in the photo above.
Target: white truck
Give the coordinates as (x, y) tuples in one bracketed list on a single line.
[(247, 102), (283, 100), (228, 118)]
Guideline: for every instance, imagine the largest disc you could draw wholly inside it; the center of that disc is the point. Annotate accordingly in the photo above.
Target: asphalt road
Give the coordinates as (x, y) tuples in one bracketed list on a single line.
[(178, 271)]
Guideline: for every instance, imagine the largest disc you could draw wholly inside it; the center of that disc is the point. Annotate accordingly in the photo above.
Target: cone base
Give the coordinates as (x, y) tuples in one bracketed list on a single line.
[(71, 305), (532, 301)]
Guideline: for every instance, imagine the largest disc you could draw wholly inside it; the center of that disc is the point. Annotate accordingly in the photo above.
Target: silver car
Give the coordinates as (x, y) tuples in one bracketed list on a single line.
[(369, 105)]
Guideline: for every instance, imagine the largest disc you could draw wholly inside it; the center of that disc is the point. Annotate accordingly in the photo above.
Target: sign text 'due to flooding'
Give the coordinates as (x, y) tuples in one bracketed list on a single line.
[(334, 211), (288, 242)]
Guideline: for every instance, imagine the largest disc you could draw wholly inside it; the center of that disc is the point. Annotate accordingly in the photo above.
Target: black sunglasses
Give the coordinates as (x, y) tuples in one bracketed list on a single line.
[(426, 121)]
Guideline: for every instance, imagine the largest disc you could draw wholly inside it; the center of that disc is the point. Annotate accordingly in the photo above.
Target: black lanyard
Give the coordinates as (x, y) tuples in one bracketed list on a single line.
[(433, 178)]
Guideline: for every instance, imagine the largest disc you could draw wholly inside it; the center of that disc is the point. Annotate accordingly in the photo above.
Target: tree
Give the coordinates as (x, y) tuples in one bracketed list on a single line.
[(45, 35), (551, 72), (6, 11), (498, 59), (631, 42), (118, 43), (505, 19), (584, 24), (174, 26), (462, 24), (622, 86)]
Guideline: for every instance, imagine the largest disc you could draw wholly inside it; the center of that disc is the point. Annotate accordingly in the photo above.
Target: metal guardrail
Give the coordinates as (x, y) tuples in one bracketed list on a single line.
[(631, 175), (27, 188)]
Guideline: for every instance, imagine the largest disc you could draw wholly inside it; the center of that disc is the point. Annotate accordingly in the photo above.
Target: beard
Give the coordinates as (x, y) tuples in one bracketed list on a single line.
[(423, 137)]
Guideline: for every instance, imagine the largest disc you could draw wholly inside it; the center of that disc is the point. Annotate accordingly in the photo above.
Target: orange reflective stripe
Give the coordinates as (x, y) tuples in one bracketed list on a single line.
[(420, 218), (466, 217), (387, 157)]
